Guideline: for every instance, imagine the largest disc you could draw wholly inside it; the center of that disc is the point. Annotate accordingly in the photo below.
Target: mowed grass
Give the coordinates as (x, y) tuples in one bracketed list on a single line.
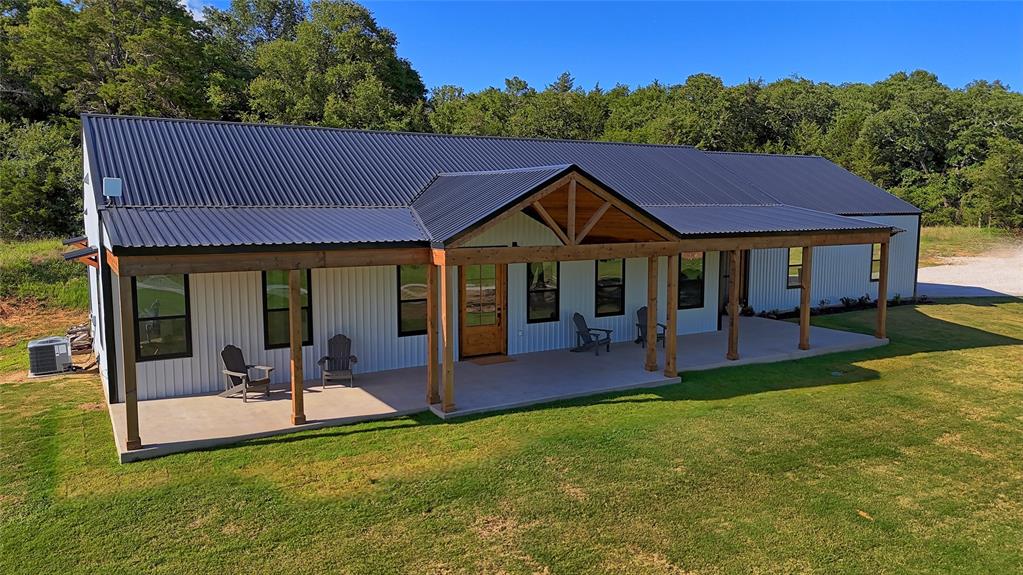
[(939, 242), (907, 458)]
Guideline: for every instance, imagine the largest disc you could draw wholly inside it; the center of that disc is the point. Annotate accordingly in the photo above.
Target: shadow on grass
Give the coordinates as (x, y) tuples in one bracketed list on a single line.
[(912, 332)]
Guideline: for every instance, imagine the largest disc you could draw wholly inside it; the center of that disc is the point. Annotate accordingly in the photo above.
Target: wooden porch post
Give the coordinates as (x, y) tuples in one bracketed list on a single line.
[(882, 294), (447, 335), (804, 297), (671, 333), (651, 313), (295, 340), (734, 277), (432, 385), (131, 399)]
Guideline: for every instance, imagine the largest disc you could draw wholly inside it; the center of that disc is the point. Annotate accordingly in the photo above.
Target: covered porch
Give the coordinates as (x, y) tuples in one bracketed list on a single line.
[(200, 422), (589, 222)]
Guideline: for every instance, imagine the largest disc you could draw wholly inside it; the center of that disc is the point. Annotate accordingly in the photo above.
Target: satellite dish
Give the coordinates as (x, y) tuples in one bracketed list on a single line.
[(112, 187)]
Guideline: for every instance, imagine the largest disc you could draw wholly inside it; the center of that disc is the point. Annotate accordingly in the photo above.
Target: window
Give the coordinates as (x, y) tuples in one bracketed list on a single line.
[(795, 267), (542, 292), (276, 322), (610, 288), (480, 294), (875, 262), (162, 317), (411, 300), (691, 280)]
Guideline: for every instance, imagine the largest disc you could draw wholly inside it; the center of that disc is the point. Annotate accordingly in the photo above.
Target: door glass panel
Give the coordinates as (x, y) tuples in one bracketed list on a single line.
[(481, 295)]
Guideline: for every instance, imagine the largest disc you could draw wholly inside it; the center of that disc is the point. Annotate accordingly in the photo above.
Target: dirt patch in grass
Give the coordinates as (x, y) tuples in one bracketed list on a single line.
[(28, 319)]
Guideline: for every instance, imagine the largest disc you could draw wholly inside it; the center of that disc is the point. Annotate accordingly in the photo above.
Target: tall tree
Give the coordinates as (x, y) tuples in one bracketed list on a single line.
[(341, 69), (113, 56)]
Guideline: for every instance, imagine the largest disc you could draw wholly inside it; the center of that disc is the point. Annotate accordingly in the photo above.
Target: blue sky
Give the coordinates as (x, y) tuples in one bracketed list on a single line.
[(478, 44)]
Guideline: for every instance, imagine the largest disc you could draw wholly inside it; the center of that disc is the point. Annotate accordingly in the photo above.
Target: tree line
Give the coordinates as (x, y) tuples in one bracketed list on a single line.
[(955, 153)]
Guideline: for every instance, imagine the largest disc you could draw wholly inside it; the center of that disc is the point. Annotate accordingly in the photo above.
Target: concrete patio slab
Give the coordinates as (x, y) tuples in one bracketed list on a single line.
[(197, 422)]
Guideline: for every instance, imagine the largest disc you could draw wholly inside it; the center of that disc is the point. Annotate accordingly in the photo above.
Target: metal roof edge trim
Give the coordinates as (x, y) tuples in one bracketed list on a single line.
[(364, 131)]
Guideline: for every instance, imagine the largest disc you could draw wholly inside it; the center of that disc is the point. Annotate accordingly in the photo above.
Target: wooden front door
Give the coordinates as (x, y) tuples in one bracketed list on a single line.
[(482, 293)]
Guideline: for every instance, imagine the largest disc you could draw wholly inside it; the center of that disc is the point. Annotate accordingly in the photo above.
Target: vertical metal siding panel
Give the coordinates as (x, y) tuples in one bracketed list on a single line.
[(767, 274), (839, 271), (902, 254)]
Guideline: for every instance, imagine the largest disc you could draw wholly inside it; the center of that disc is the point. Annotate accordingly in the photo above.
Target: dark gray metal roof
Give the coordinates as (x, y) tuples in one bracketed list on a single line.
[(812, 182), (167, 162), (200, 183), (75, 254), (159, 227), (477, 195), (745, 219)]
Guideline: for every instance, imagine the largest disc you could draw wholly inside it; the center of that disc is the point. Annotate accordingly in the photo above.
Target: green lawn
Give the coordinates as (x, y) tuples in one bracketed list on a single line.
[(907, 458), (941, 242)]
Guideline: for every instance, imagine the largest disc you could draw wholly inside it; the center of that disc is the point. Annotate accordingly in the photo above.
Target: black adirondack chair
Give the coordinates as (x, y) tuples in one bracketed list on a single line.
[(237, 378), (338, 363), (643, 330), (590, 337)]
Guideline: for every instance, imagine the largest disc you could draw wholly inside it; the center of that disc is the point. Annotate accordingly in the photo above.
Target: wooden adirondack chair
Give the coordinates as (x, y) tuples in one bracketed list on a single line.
[(642, 328), (587, 337), (338, 363), (237, 375)]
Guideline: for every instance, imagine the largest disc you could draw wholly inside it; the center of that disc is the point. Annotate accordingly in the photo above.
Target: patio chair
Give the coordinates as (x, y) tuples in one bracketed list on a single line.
[(587, 337), (237, 378), (338, 362), (642, 328)]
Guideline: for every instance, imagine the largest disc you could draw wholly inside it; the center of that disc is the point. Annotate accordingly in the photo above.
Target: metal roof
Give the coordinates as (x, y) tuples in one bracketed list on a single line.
[(168, 162), (202, 183), (746, 219), (812, 182), (478, 195), (80, 252), (152, 227)]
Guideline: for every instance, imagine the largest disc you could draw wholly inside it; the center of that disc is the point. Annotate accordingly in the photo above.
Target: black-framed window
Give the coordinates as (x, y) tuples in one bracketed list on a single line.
[(609, 287), (412, 299), (276, 321), (163, 312), (543, 291), (875, 262), (691, 279), (795, 268)]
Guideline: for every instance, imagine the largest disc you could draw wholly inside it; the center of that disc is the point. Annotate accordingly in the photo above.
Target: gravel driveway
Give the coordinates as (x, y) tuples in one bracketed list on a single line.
[(996, 273)]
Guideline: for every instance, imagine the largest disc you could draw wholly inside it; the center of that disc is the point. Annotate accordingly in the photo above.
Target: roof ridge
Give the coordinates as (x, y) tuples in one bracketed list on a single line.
[(254, 206), (382, 132), (712, 205), (506, 170), (817, 156)]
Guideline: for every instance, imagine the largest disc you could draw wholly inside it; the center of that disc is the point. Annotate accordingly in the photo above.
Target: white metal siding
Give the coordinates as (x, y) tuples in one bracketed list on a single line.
[(838, 271)]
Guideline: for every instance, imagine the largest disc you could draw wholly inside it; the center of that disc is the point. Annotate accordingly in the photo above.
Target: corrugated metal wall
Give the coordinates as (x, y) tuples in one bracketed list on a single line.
[(838, 271)]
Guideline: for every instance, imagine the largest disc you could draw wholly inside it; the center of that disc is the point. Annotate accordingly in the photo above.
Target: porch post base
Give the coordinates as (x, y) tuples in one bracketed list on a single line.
[(447, 408), (297, 419), (731, 356), (133, 444), (670, 373), (804, 346)]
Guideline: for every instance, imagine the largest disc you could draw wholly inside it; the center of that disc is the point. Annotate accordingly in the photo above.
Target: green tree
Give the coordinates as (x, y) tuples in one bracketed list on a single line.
[(40, 179), (114, 56), (997, 195), (341, 69)]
